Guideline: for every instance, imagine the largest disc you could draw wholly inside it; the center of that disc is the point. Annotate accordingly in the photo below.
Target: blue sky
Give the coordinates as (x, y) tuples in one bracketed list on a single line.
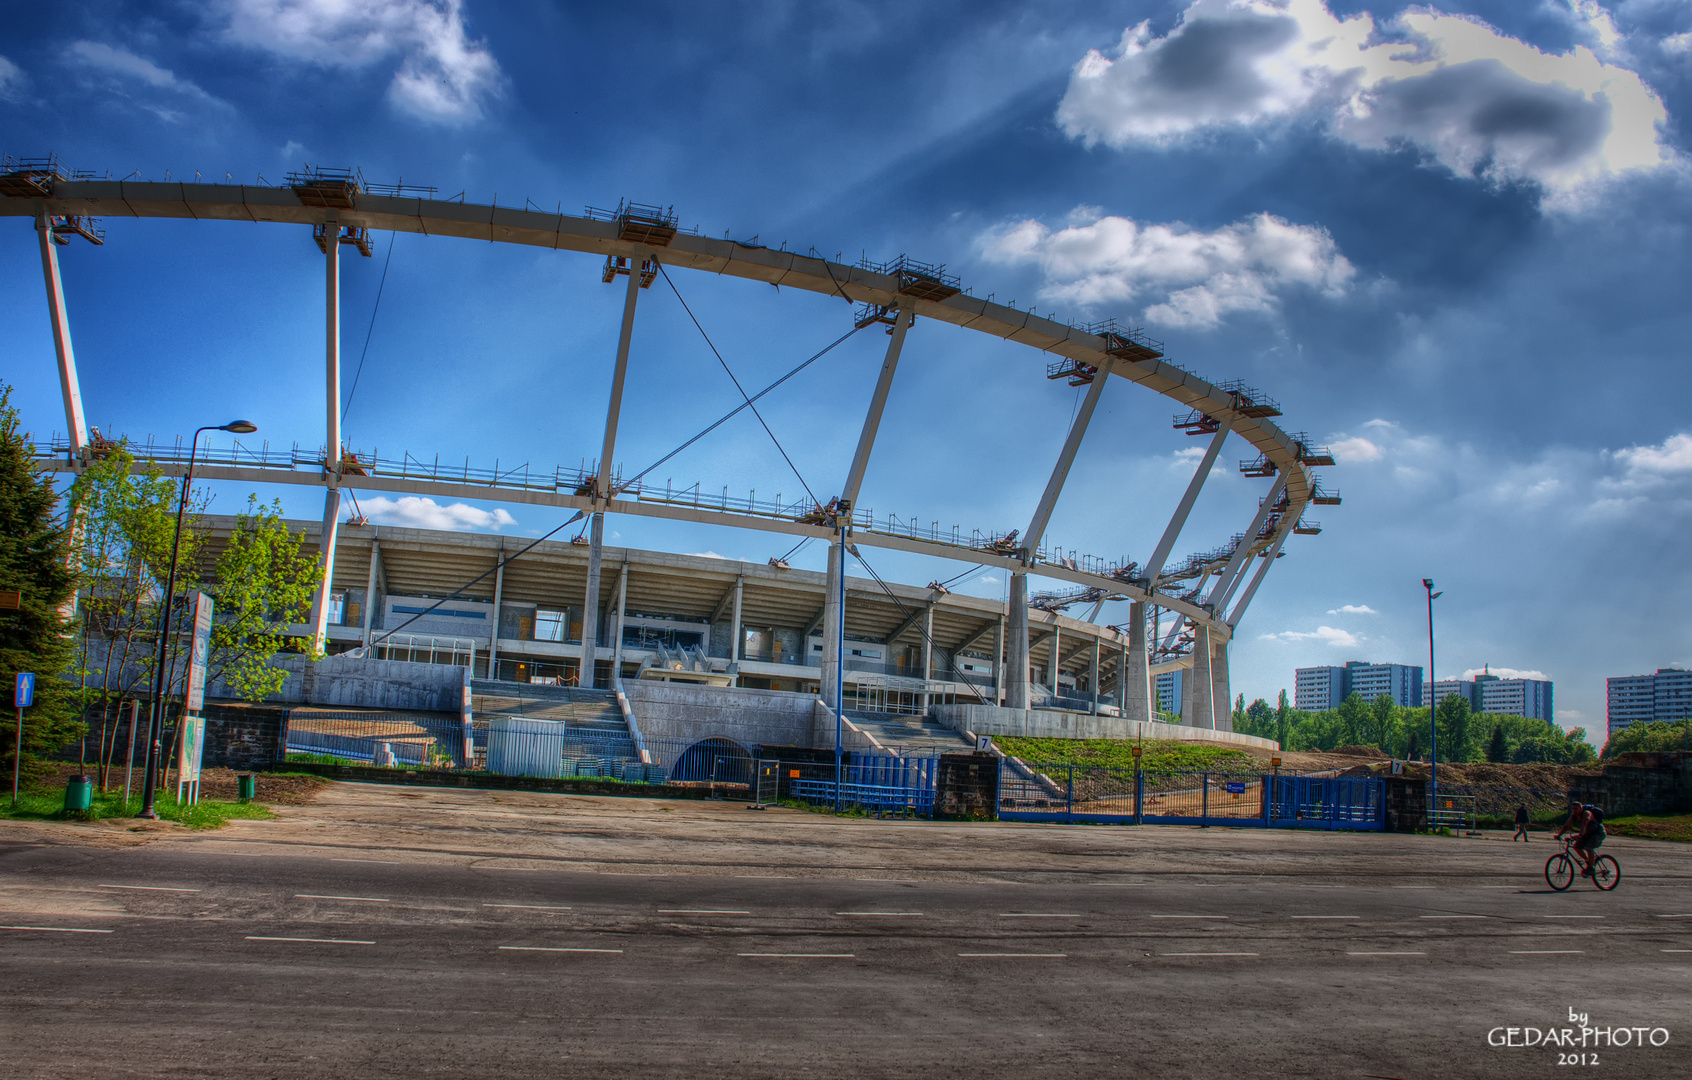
[(1452, 241)]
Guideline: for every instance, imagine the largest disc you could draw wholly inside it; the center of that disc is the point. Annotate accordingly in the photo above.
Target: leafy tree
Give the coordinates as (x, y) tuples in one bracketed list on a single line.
[(1414, 749), (1654, 736), (1498, 750), (1354, 717), (1283, 720), (1384, 713), (36, 562), (1454, 730), (263, 581), (1260, 720)]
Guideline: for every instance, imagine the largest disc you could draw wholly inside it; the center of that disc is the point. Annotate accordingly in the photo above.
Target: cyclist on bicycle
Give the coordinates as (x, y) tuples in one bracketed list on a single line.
[(1587, 821)]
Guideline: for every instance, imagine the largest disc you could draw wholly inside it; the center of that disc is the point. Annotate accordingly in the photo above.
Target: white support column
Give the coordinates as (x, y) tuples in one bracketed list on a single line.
[(927, 652), (1017, 661), (1221, 694), (617, 623), (1066, 458), (830, 665), (370, 583), (614, 410), (590, 601), (1154, 565), (1138, 701), (1094, 676), (332, 333), (69, 387), (878, 402), (1055, 663), (1198, 689), (999, 662), (326, 560), (737, 640), (498, 599), (1257, 578), (1225, 585)]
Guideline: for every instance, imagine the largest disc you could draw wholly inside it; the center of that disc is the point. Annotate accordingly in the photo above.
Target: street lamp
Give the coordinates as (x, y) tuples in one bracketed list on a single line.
[(1433, 704), (155, 717)]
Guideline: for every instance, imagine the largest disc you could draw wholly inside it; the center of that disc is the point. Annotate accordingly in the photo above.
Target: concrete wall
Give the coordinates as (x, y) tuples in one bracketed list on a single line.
[(367, 684), (1639, 784), (1053, 724), (749, 717)]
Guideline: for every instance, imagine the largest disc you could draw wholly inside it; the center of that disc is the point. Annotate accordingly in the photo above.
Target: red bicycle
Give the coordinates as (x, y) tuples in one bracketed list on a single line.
[(1561, 868)]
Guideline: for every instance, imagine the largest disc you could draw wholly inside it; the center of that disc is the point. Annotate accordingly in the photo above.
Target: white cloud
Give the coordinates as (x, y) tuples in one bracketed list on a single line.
[(1650, 464), (415, 512), (1190, 277), (706, 555), (1511, 673), (1326, 635), (443, 76), (1353, 609), (1481, 103), (1678, 43), (1354, 450), (11, 80), (156, 89)]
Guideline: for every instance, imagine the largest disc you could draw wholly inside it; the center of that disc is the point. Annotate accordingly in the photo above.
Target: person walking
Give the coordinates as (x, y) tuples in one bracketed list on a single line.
[(1521, 825)]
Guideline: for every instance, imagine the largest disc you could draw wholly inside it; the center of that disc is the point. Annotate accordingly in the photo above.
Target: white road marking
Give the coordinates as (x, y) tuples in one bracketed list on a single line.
[(1383, 953), (1035, 915), (1207, 954), (1415, 886), (1674, 916), (817, 955), (57, 929), (535, 907), (1675, 950), (383, 862), (313, 940), (1325, 916), (147, 888), (1189, 916), (549, 948), (699, 911), (911, 913), (1058, 954), (320, 896), (1573, 916), (1544, 952), (1455, 916)]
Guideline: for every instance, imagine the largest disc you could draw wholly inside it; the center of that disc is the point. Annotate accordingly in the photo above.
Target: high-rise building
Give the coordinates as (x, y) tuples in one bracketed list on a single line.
[(1489, 693), (1318, 688), (1667, 695), (1169, 686)]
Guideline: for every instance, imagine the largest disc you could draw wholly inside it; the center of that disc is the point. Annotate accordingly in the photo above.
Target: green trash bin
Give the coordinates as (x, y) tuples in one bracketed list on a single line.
[(79, 793), (247, 786)]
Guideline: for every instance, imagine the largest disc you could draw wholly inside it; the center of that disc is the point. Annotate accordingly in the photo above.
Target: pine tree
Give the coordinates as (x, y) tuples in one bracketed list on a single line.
[(35, 561), (1498, 750)]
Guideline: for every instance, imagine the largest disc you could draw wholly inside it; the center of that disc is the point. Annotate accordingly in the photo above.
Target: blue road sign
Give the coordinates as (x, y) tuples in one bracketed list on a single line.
[(23, 694), (1235, 787)]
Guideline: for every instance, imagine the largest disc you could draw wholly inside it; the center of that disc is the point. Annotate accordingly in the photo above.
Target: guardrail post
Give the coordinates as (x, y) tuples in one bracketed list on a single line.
[(1139, 795), (1069, 793), (1204, 802)]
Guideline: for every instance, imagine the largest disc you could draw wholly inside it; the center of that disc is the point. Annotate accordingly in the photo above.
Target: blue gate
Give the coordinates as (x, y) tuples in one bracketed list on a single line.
[(876, 782), (1071, 793)]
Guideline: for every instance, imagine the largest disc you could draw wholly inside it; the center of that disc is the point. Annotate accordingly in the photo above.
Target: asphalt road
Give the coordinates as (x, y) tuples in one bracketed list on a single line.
[(1160, 953)]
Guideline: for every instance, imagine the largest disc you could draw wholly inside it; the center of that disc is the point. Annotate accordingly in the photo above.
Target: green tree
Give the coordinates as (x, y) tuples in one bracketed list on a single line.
[(1453, 729), (1283, 721), (262, 581), (1654, 736), (1259, 720), (1413, 749), (36, 562), (1498, 749), (1354, 718), (1383, 712)]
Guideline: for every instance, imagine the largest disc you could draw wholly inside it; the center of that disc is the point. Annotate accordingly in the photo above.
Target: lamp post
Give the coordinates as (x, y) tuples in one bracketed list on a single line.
[(840, 661), (1433, 705), (155, 718)]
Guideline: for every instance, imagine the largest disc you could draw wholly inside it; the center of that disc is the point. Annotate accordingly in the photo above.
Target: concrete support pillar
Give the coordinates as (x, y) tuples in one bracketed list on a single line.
[(1055, 662), (927, 653), (590, 601), (371, 582), (1221, 695), (319, 619), (999, 662), (498, 598), (1017, 672), (332, 381), (616, 624), (737, 632), (830, 665), (1093, 676), (1198, 706), (1138, 700)]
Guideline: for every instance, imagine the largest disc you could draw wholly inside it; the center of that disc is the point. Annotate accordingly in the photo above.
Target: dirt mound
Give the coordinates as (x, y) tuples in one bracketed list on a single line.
[(1358, 751)]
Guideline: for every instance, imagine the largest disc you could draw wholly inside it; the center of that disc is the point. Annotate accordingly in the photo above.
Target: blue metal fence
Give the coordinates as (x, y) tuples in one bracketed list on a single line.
[(877, 782), (1070, 793)]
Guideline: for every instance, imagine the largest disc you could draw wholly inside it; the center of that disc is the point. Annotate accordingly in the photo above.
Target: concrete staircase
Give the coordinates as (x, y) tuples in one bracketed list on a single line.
[(592, 714), (908, 732)]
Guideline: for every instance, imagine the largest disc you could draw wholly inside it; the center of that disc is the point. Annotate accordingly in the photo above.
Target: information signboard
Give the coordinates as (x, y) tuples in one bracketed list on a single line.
[(200, 655)]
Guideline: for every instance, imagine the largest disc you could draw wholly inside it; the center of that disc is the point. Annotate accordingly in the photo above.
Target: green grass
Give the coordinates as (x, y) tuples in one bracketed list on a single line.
[(49, 805), (1157, 755), (1676, 827)]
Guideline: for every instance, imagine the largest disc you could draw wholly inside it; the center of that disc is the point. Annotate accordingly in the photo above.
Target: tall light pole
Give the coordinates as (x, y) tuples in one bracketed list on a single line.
[(840, 661), (155, 717), (1433, 704)]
